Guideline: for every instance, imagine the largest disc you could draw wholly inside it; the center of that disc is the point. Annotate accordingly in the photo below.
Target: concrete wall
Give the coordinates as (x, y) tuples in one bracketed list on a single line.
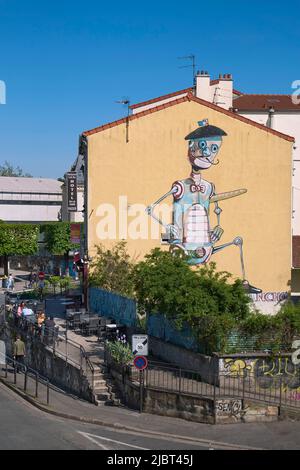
[(57, 370), (266, 373), (144, 168), (29, 213), (190, 407), (206, 366)]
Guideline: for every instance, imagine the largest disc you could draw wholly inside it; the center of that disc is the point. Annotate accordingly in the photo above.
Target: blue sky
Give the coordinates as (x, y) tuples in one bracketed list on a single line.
[(66, 62)]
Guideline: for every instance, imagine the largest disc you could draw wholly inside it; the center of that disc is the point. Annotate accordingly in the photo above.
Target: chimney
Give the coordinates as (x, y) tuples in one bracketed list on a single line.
[(224, 91), (203, 85)]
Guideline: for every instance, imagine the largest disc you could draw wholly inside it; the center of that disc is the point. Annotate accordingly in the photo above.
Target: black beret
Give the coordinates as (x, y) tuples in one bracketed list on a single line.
[(205, 131)]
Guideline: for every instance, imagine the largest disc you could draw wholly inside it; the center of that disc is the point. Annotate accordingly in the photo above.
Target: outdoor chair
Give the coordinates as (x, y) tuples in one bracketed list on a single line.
[(91, 327), (76, 321)]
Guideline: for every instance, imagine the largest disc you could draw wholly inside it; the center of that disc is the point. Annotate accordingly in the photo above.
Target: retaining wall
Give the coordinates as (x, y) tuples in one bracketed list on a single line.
[(56, 369)]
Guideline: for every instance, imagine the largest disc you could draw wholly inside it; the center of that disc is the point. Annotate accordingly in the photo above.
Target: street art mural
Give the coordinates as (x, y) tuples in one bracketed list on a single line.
[(190, 230), (266, 373)]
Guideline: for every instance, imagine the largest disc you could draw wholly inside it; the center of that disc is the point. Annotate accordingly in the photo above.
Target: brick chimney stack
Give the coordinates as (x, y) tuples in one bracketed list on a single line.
[(203, 85), (224, 91)]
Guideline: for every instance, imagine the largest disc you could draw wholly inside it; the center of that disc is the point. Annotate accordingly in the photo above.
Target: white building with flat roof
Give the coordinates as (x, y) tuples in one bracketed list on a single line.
[(30, 200)]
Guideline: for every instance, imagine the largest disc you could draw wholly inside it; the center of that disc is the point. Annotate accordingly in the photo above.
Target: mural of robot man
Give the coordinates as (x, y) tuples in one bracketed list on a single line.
[(190, 230)]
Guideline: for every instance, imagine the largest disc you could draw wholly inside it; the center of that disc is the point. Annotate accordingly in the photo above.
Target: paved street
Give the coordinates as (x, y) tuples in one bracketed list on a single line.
[(25, 427)]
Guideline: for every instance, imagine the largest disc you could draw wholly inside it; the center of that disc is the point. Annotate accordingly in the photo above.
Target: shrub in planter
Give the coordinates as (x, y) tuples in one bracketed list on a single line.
[(120, 353)]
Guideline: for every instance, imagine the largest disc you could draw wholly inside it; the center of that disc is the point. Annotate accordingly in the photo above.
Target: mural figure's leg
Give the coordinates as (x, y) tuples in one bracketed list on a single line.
[(238, 241)]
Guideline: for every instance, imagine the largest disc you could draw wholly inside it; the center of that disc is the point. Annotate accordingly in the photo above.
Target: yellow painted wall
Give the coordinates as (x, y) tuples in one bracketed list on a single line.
[(156, 156)]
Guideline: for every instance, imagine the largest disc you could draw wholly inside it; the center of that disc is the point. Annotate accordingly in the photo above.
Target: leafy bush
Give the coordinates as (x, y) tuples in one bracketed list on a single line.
[(54, 281), (202, 298), (275, 332), (65, 283), (121, 353), (112, 270)]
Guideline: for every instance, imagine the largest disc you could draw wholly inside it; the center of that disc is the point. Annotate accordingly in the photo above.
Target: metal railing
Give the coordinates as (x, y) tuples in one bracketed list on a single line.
[(281, 390), (29, 374), (58, 342)]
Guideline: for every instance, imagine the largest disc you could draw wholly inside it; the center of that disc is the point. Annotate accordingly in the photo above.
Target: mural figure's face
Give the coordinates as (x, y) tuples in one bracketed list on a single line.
[(202, 152)]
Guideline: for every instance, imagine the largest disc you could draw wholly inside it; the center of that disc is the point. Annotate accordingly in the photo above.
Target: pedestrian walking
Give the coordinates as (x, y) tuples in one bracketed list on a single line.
[(10, 282), (30, 279), (19, 352)]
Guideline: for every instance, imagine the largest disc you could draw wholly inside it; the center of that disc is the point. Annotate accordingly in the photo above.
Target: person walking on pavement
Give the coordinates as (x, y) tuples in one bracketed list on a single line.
[(10, 282), (19, 352)]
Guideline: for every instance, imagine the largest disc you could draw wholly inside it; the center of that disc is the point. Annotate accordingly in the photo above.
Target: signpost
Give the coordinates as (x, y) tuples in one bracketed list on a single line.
[(140, 345), (141, 363)]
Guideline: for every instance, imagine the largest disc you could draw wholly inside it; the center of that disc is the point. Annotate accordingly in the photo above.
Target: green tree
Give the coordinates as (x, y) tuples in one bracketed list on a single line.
[(112, 270), (8, 170), (54, 281), (17, 239), (202, 298), (58, 239)]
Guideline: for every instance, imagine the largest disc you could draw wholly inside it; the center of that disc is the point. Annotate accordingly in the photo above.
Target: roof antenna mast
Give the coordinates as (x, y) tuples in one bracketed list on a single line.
[(126, 102), (192, 58)]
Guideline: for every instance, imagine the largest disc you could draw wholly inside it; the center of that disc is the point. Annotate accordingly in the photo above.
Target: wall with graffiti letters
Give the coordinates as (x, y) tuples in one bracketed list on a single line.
[(267, 373)]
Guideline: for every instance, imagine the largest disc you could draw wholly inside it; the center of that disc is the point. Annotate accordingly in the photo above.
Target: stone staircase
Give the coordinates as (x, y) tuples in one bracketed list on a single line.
[(105, 392)]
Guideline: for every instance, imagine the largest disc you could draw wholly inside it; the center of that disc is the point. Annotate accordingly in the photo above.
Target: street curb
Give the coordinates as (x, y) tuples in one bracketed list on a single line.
[(84, 419)]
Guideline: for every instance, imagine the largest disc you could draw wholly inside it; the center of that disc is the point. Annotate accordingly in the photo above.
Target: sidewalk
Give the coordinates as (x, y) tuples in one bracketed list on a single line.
[(277, 435)]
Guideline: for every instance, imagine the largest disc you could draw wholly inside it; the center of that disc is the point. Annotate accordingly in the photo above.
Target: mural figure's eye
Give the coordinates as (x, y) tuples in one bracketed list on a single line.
[(202, 144), (214, 148)]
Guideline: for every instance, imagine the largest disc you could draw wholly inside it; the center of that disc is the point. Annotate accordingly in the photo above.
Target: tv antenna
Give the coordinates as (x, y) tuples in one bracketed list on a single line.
[(126, 103), (192, 58)]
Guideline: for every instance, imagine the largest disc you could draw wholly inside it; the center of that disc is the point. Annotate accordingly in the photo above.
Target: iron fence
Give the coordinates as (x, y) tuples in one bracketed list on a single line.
[(57, 342), (282, 390), (30, 381)]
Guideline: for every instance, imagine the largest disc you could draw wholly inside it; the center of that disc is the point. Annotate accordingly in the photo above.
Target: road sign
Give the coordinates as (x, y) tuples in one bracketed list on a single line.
[(140, 362), (41, 275), (140, 345)]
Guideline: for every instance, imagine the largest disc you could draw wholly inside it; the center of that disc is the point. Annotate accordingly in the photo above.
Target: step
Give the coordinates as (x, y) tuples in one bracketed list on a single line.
[(102, 396), (99, 382), (99, 376)]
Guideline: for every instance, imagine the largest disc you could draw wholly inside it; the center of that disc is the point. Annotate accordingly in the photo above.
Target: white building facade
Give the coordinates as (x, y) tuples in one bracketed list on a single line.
[(30, 200)]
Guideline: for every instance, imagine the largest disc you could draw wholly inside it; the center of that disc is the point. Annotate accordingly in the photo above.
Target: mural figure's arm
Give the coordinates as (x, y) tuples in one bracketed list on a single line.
[(150, 209), (217, 231)]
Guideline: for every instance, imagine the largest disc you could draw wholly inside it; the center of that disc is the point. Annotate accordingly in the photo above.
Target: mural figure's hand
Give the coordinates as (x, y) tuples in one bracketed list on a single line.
[(173, 232), (216, 234)]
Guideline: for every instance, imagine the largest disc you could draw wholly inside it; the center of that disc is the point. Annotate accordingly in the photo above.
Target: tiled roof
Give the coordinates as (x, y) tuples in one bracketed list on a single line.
[(175, 93), (188, 97), (29, 185), (296, 251), (161, 98), (264, 102)]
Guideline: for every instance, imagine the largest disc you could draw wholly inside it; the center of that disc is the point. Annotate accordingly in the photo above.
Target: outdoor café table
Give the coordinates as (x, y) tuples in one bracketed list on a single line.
[(88, 318)]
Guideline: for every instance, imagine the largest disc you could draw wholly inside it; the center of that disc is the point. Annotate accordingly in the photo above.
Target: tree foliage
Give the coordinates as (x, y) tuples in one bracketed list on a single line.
[(8, 170), (112, 270), (216, 309), (18, 239), (275, 332), (201, 298), (58, 238)]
